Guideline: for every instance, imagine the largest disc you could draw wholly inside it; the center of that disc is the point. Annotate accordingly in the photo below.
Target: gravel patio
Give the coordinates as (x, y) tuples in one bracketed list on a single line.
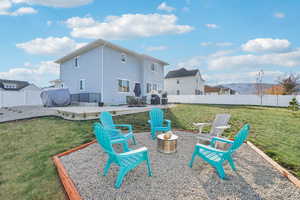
[(173, 179)]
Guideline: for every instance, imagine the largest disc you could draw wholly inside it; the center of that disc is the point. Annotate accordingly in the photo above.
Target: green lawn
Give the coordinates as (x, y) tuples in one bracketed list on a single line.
[(26, 147)]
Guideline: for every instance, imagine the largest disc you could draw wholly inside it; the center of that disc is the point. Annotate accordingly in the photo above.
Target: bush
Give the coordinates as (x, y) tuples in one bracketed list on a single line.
[(294, 104)]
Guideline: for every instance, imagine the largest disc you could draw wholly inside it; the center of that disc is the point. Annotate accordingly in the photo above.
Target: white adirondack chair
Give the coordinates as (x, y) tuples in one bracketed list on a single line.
[(218, 126)]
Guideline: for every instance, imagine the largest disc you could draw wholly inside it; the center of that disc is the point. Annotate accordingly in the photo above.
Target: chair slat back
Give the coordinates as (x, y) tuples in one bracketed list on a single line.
[(240, 137), (220, 120), (103, 138), (157, 117), (107, 120)]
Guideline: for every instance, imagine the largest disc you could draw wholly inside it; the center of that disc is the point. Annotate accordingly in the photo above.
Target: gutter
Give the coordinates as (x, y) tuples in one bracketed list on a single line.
[(102, 71)]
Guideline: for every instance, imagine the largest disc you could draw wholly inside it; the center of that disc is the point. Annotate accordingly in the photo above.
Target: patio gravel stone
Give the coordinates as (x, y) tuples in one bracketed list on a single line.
[(173, 179)]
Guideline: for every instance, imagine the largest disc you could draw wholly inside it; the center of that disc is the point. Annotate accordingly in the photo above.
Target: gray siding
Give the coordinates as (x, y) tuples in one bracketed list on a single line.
[(151, 77), (114, 69), (89, 69)]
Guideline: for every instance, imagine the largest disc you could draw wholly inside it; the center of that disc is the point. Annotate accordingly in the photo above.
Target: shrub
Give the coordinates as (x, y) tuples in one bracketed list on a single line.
[(294, 104)]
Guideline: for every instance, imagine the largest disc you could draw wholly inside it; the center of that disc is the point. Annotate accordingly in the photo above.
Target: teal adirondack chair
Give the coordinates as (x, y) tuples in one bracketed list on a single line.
[(216, 157), (126, 161), (157, 122), (107, 121)]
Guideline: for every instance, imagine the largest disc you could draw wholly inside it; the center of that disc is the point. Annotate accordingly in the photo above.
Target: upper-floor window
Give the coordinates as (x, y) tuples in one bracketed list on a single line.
[(154, 87), (123, 57), (82, 84), (123, 85), (153, 67), (76, 61), (177, 81)]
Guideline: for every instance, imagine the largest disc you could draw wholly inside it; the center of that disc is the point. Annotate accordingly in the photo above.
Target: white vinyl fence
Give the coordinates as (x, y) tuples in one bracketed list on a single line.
[(20, 98), (266, 100)]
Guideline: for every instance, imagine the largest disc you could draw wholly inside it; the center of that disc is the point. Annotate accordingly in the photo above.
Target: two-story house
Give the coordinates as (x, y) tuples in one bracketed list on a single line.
[(184, 82), (104, 68)]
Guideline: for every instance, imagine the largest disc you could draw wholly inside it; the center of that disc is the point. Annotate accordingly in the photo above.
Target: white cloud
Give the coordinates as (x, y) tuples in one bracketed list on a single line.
[(39, 74), (212, 26), (165, 7), (241, 77), (266, 44), (55, 3), (23, 11), (287, 59), (50, 46), (218, 44), (49, 23), (279, 15), (156, 48), (6, 5), (126, 26)]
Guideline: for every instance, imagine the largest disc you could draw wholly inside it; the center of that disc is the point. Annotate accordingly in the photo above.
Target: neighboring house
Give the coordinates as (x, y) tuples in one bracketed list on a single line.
[(14, 85), (275, 90), (111, 71), (184, 82), (218, 90), (56, 83)]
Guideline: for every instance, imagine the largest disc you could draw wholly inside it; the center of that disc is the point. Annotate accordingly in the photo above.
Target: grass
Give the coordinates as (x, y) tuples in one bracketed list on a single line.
[(26, 147)]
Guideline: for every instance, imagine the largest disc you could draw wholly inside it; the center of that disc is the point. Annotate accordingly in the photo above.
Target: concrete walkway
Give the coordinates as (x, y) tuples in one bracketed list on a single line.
[(24, 112)]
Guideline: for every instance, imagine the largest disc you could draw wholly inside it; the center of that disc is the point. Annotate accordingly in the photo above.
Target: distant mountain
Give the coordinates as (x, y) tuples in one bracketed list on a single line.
[(246, 88)]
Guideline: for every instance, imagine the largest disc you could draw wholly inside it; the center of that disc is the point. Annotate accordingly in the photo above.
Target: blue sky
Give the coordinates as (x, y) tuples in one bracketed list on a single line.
[(229, 41)]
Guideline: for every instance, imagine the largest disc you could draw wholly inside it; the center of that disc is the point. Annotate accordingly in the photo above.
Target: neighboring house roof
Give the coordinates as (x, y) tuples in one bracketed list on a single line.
[(275, 90), (19, 84), (217, 89), (101, 42), (209, 89), (182, 72)]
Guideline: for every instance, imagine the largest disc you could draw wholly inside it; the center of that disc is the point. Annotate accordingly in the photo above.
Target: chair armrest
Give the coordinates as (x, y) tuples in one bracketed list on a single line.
[(136, 151), (125, 125), (209, 148), (221, 140), (202, 124), (168, 122), (223, 127)]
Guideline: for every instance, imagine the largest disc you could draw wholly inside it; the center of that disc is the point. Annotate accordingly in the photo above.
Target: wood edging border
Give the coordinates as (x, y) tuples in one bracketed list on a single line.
[(73, 194), (67, 182), (274, 164)]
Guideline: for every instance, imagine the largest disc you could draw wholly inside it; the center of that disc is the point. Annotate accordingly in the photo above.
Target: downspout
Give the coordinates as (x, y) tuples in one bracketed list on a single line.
[(102, 71)]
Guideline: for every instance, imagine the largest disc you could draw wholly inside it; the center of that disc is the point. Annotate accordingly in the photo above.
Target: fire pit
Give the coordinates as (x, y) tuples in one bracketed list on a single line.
[(167, 143)]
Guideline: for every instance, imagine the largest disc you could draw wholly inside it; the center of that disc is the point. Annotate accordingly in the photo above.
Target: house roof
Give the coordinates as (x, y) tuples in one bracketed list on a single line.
[(211, 89), (101, 42), (182, 72), (19, 84)]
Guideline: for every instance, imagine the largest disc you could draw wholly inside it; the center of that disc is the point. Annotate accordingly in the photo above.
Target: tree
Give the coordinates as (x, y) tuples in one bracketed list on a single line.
[(294, 105), (289, 83)]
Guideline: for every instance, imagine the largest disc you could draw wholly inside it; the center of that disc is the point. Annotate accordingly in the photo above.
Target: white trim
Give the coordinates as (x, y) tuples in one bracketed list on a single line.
[(120, 79), (101, 42)]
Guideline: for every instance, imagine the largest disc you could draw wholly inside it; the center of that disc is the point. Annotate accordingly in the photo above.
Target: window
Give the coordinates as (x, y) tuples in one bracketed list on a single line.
[(149, 87), (76, 62), (153, 67), (123, 85), (178, 92), (154, 87), (82, 84), (123, 57), (177, 81)]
